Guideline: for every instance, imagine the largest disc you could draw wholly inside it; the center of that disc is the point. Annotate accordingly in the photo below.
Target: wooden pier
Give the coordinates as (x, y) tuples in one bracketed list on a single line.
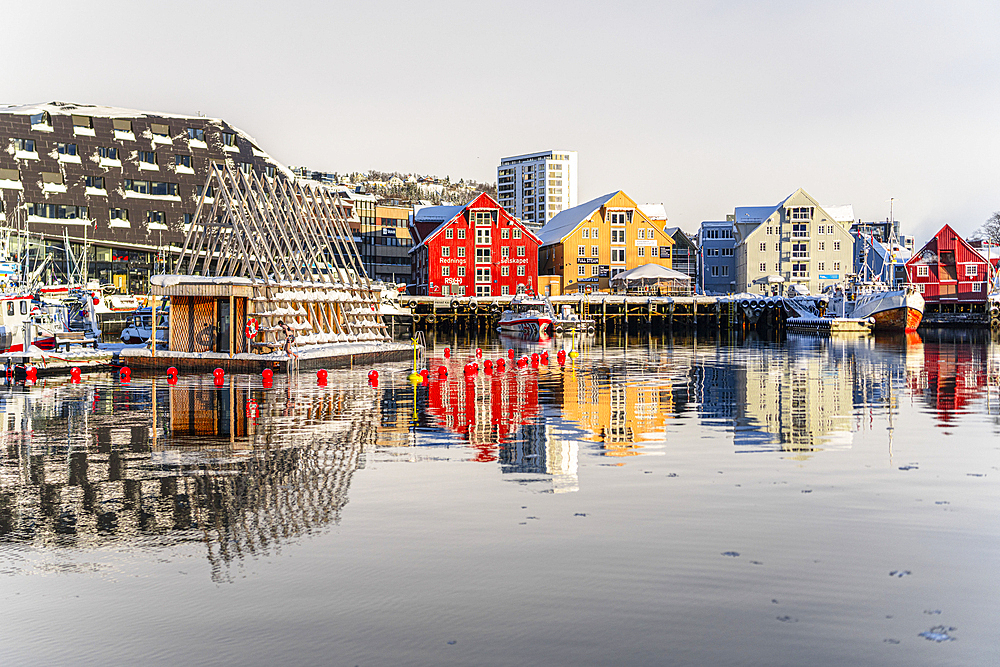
[(612, 312)]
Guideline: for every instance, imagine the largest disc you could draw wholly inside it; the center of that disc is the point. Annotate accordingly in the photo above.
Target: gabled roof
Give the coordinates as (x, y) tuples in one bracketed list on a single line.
[(563, 224), (455, 211)]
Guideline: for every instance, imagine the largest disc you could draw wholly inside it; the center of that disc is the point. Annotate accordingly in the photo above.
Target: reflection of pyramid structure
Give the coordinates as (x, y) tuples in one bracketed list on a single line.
[(126, 482)]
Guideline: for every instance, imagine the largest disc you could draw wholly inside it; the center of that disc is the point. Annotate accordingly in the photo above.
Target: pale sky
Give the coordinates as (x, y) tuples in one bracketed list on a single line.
[(703, 106)]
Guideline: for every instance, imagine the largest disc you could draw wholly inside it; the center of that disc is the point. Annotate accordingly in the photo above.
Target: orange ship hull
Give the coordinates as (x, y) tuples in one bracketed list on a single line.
[(898, 319)]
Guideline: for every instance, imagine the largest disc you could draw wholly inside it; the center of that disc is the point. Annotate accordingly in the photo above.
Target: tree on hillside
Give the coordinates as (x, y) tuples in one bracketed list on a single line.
[(991, 228)]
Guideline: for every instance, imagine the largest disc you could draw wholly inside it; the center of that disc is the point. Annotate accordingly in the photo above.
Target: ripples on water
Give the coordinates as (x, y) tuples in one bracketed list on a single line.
[(786, 458)]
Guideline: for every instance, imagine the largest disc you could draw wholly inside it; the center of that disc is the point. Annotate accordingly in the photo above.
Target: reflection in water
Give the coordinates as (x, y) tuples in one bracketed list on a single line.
[(242, 469), (239, 469)]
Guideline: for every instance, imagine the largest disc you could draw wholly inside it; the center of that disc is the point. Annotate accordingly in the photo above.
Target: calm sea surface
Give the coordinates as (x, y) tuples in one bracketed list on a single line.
[(662, 502)]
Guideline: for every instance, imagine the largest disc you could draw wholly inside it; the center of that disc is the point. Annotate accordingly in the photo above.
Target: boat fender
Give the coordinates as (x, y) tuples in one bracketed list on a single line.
[(416, 319), (473, 305), (590, 329), (455, 304), (559, 331)]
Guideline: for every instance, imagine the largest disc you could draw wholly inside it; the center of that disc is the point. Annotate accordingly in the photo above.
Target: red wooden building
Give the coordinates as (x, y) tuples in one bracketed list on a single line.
[(472, 250), (949, 270)]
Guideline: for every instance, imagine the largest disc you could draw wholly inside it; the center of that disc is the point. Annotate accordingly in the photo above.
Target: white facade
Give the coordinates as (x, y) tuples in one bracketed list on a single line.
[(535, 187)]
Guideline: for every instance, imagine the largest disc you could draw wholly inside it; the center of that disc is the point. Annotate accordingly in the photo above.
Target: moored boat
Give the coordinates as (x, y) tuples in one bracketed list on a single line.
[(139, 326), (528, 316)]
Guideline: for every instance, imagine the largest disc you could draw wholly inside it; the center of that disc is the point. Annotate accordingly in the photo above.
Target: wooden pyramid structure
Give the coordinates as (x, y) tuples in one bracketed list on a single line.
[(293, 242)]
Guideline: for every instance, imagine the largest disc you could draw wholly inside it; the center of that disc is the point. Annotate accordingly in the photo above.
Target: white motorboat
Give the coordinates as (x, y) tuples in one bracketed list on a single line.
[(529, 317)]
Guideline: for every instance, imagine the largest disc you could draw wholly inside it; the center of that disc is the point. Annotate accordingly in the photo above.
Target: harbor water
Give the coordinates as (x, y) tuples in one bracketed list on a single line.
[(647, 501)]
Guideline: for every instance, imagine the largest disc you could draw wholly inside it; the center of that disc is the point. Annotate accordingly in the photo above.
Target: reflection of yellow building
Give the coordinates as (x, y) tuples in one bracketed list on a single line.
[(617, 414)]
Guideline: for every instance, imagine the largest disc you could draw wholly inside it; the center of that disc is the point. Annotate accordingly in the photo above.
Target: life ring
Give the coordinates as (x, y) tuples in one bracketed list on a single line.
[(252, 410), (253, 326)]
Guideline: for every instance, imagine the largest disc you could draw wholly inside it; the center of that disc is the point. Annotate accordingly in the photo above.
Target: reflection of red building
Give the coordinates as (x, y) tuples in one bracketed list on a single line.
[(487, 408), (949, 270), (951, 377)]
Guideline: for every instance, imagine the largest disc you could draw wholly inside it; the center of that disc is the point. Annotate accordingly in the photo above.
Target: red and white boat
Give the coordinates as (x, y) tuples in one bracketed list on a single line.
[(15, 311), (528, 317), (892, 309)]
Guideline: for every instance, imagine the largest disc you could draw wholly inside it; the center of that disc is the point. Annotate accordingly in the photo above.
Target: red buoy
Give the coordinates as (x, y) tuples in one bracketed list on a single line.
[(321, 377), (479, 353), (447, 352), (510, 353), (442, 372)]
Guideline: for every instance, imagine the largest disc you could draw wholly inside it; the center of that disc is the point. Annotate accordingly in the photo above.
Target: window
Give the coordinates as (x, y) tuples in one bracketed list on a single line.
[(725, 270), (821, 246), (505, 233), (481, 217), (652, 251), (836, 266), (800, 213), (777, 247), (458, 290), (726, 252), (483, 275), (517, 233), (581, 251), (196, 134), (971, 270), (119, 214), (445, 270), (836, 245), (121, 125), (26, 145), (580, 270), (520, 251), (715, 272), (504, 270), (151, 187), (642, 252), (618, 255), (641, 234), (922, 271), (520, 269), (593, 232), (182, 161), (800, 231), (770, 230), (505, 252), (156, 218), (229, 139), (448, 233), (763, 247), (920, 288), (619, 217), (800, 270), (800, 251), (446, 251), (763, 267), (586, 232), (618, 236), (41, 118), (107, 152), (461, 271), (594, 251), (821, 266), (461, 251), (147, 157), (977, 287), (482, 255), (505, 289), (483, 235), (57, 211), (66, 149), (95, 182), (461, 234), (83, 122), (159, 129)]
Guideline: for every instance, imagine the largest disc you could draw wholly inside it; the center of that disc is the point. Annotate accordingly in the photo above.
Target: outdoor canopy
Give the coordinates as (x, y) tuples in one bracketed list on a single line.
[(648, 273)]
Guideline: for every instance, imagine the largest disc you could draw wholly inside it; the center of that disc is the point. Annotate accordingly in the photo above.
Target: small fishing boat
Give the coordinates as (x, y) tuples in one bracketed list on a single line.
[(139, 326), (529, 317), (860, 307)]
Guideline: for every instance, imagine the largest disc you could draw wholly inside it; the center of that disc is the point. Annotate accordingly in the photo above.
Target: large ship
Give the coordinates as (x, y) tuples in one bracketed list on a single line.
[(893, 309)]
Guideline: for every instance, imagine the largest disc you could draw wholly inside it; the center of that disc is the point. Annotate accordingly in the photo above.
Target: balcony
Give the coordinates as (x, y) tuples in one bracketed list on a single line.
[(800, 274), (799, 234), (800, 254)]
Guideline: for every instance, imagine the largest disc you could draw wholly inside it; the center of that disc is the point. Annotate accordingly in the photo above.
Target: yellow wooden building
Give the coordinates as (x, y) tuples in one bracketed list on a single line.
[(589, 244)]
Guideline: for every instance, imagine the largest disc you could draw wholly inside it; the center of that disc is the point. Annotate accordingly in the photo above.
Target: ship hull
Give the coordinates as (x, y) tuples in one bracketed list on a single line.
[(903, 318), (536, 328)]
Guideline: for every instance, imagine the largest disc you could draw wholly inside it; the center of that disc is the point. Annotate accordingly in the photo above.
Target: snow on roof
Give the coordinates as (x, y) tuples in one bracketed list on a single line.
[(654, 211), (102, 111), (840, 212), (435, 213), (566, 221)]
